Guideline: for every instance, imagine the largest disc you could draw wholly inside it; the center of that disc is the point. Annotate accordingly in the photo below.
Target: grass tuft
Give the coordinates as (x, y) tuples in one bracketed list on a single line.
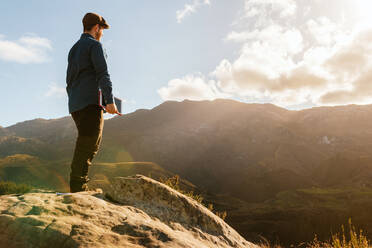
[(7, 187), (173, 182), (338, 240)]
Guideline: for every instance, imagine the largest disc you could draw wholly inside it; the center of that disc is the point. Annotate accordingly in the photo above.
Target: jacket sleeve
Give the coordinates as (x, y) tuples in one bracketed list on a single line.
[(72, 68), (102, 75)]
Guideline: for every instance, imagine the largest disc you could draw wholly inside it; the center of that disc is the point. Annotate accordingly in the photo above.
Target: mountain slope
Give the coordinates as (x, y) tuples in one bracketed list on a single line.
[(24, 168)]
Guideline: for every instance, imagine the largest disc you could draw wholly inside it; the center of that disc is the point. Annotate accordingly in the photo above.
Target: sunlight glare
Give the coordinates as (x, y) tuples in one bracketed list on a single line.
[(363, 8)]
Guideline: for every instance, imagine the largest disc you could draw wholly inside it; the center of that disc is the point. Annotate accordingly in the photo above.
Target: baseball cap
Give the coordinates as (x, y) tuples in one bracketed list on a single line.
[(91, 19)]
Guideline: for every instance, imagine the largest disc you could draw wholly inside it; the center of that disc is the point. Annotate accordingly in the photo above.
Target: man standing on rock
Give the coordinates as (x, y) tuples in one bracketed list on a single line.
[(86, 74)]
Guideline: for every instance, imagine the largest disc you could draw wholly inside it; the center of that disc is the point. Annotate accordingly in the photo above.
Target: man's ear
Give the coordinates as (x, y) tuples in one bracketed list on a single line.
[(96, 27)]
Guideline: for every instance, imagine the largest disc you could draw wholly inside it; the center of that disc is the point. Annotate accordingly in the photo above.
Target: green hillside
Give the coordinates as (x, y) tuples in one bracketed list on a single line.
[(54, 175)]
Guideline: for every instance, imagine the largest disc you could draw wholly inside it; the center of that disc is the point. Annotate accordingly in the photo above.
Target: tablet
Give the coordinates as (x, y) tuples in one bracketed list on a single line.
[(101, 102)]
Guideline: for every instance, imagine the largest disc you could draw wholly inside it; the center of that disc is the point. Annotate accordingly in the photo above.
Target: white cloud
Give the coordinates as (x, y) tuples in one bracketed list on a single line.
[(27, 49), (268, 8), (276, 62), (326, 32), (55, 90), (190, 87), (289, 58), (352, 67), (190, 8), (274, 36), (332, 66), (265, 66), (34, 41)]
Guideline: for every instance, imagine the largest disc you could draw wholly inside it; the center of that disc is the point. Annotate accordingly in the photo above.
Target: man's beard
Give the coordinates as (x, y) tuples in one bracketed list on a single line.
[(98, 37)]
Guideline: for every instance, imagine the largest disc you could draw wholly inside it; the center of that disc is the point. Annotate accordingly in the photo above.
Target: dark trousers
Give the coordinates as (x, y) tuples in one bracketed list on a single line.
[(89, 122)]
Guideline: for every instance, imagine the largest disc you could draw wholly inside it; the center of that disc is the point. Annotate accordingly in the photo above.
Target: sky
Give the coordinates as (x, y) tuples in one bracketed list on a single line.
[(294, 54)]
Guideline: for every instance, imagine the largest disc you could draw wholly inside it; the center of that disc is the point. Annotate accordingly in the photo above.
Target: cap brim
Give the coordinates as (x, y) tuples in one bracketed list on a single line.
[(105, 26)]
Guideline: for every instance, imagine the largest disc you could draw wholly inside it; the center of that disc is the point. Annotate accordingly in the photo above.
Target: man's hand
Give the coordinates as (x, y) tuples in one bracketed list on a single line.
[(111, 108)]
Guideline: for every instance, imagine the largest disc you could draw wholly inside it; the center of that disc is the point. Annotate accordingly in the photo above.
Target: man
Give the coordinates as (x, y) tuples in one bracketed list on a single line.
[(86, 74)]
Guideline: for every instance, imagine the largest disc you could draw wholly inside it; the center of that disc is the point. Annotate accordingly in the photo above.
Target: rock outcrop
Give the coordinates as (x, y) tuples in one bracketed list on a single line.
[(134, 211)]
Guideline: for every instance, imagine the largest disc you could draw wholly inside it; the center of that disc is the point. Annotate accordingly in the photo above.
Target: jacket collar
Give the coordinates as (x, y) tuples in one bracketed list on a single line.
[(86, 35)]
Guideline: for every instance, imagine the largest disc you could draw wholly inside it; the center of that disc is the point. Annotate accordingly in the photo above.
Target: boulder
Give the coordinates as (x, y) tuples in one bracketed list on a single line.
[(134, 211)]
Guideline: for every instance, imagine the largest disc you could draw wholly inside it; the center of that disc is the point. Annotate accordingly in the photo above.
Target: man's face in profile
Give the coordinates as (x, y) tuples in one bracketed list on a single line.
[(98, 32)]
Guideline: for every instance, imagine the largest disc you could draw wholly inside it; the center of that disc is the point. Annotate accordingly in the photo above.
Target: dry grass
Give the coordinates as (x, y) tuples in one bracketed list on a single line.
[(173, 182), (354, 240)]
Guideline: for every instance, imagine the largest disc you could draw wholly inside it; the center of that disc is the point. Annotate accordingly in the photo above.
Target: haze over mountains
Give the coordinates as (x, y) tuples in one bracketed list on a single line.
[(247, 154)]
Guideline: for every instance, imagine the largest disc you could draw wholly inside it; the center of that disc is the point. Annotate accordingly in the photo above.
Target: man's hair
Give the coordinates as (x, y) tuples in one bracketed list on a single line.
[(88, 27), (91, 19)]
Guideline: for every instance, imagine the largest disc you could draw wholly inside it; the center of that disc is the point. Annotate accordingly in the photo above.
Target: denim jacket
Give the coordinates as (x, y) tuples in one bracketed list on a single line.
[(87, 73)]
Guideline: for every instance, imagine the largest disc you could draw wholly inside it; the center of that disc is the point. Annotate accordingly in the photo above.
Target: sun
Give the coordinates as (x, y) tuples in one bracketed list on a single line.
[(363, 8)]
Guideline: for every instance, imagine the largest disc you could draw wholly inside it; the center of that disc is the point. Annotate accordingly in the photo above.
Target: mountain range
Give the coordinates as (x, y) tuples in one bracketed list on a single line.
[(270, 168)]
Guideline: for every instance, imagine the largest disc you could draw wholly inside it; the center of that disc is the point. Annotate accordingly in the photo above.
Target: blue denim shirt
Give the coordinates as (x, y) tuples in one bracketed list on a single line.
[(87, 73)]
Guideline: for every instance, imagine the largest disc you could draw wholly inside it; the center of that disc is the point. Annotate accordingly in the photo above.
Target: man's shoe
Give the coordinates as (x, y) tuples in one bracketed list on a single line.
[(78, 188), (85, 187)]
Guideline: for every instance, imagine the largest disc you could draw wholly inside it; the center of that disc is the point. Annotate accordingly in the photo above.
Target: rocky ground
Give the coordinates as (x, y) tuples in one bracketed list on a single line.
[(134, 211)]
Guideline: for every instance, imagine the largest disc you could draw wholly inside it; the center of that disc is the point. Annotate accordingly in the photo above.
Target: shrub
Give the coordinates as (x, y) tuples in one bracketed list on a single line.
[(7, 187)]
